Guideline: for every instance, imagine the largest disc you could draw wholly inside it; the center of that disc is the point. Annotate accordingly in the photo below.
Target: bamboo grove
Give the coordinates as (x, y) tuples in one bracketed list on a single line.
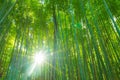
[(81, 39)]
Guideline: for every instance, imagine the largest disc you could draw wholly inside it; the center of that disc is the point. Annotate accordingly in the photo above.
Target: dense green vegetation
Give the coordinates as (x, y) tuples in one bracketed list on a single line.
[(81, 39)]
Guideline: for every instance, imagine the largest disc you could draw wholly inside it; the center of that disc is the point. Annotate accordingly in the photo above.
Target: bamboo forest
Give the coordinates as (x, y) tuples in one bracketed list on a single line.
[(59, 39)]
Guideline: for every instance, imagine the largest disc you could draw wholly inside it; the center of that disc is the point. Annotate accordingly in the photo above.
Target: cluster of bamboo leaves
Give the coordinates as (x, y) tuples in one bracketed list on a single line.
[(80, 37)]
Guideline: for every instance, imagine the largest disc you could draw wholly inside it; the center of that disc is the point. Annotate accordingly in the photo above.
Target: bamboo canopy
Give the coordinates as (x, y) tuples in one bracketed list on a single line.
[(79, 38)]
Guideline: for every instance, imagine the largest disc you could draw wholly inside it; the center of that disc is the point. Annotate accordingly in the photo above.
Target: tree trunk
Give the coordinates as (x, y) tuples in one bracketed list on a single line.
[(55, 44)]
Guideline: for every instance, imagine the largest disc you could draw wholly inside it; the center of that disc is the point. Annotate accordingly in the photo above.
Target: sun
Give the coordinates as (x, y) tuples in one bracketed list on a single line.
[(39, 58)]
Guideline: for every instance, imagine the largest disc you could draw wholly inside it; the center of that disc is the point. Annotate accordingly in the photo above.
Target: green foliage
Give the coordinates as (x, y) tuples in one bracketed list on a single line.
[(81, 39)]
